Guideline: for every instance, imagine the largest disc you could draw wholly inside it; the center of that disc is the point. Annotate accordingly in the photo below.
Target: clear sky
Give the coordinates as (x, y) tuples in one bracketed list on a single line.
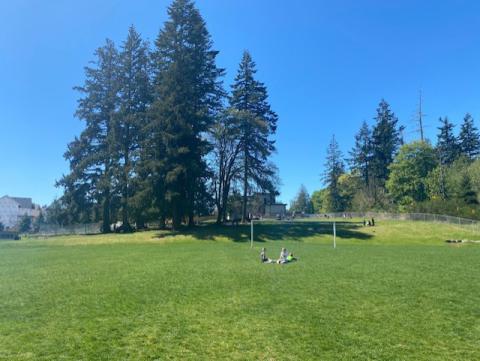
[(326, 64)]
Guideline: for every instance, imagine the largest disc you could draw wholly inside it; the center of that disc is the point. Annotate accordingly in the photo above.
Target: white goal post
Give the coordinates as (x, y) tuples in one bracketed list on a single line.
[(334, 230)]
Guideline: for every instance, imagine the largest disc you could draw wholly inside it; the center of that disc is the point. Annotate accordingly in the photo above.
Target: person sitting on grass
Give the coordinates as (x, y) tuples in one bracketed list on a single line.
[(263, 256), (283, 256), (291, 258)]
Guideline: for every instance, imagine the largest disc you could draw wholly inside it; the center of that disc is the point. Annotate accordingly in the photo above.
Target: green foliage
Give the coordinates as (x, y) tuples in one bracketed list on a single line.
[(408, 171), (2, 227), (257, 123), (435, 183), (451, 207), (39, 221), (188, 93), (25, 224), (302, 202), (134, 97), (361, 154), (349, 185), (334, 168), (385, 142), (474, 175), (226, 163), (467, 193), (319, 201), (91, 156), (447, 146), (469, 138)]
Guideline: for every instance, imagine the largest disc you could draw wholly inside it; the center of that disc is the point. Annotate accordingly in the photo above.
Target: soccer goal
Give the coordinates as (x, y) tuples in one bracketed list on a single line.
[(327, 227)]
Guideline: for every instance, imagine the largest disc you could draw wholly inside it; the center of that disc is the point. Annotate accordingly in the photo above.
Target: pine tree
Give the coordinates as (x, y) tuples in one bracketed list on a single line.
[(257, 123), (130, 120), (361, 154), (469, 138), (468, 195), (187, 95), (302, 202), (91, 156), (385, 142), (447, 146), (334, 168)]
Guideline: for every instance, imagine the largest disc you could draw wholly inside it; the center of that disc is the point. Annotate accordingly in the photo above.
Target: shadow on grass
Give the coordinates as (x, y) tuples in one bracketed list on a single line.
[(272, 231)]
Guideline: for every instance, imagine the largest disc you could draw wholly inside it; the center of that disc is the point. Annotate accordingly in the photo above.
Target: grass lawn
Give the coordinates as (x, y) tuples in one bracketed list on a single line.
[(391, 292)]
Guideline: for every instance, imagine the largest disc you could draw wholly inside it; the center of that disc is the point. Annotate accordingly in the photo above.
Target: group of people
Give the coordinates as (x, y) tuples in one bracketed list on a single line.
[(369, 223), (285, 257)]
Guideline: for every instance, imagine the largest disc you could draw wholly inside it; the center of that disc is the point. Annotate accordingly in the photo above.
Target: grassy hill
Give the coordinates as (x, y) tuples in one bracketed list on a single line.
[(395, 291)]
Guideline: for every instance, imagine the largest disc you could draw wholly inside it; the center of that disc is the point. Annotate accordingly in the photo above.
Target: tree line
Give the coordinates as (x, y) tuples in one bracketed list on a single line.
[(382, 172), (163, 139)]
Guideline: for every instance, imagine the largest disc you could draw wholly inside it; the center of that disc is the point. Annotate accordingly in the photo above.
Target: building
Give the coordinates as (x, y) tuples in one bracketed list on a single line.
[(265, 205), (12, 209)]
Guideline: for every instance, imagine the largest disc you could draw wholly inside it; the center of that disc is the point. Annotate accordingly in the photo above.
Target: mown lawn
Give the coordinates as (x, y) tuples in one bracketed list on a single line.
[(391, 292)]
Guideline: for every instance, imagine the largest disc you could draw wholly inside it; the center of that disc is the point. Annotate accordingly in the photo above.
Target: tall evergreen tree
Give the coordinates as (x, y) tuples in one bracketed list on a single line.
[(334, 168), (187, 95), (385, 142), (467, 193), (469, 138), (257, 124), (130, 120), (91, 156), (361, 154), (447, 146), (302, 202)]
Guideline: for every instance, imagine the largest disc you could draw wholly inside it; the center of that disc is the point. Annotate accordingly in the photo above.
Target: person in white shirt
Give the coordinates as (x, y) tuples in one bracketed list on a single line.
[(283, 256)]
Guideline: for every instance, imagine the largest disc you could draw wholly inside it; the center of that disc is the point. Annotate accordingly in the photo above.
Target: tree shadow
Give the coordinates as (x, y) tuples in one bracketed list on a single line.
[(273, 231)]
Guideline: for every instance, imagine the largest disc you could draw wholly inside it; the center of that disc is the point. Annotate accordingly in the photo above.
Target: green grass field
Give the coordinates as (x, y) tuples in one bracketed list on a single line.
[(391, 292)]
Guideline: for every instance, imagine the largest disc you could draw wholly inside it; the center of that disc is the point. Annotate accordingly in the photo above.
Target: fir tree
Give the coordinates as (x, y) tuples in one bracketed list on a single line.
[(187, 95), (91, 156), (302, 202), (130, 120), (257, 123), (385, 142), (468, 195), (469, 138), (361, 154), (334, 168), (447, 146)]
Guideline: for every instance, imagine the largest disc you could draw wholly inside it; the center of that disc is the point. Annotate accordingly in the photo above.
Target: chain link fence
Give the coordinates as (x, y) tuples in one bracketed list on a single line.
[(95, 228), (472, 224), (77, 229)]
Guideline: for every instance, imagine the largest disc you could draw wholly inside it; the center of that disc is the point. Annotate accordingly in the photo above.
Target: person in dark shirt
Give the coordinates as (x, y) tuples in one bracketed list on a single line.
[(263, 256)]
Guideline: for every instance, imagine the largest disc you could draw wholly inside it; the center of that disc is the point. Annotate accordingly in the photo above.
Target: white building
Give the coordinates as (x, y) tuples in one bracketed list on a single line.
[(12, 209), (264, 204)]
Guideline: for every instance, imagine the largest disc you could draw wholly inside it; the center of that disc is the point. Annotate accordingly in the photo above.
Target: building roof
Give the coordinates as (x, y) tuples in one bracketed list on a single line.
[(22, 202)]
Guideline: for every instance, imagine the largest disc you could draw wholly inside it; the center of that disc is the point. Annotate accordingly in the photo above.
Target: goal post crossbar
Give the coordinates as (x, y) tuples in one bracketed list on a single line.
[(334, 229)]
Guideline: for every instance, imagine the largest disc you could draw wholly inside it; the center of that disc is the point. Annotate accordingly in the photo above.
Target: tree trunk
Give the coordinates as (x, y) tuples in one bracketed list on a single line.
[(176, 215), (245, 189), (125, 223), (106, 213)]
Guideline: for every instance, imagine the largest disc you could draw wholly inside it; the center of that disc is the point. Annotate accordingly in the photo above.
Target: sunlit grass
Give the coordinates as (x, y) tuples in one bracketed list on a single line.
[(391, 292)]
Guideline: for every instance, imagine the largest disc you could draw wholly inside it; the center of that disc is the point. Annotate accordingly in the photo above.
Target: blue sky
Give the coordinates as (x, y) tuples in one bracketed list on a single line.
[(326, 64)]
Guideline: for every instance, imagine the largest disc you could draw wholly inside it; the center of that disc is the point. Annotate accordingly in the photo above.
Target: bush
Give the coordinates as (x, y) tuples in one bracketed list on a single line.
[(449, 207), (25, 224)]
